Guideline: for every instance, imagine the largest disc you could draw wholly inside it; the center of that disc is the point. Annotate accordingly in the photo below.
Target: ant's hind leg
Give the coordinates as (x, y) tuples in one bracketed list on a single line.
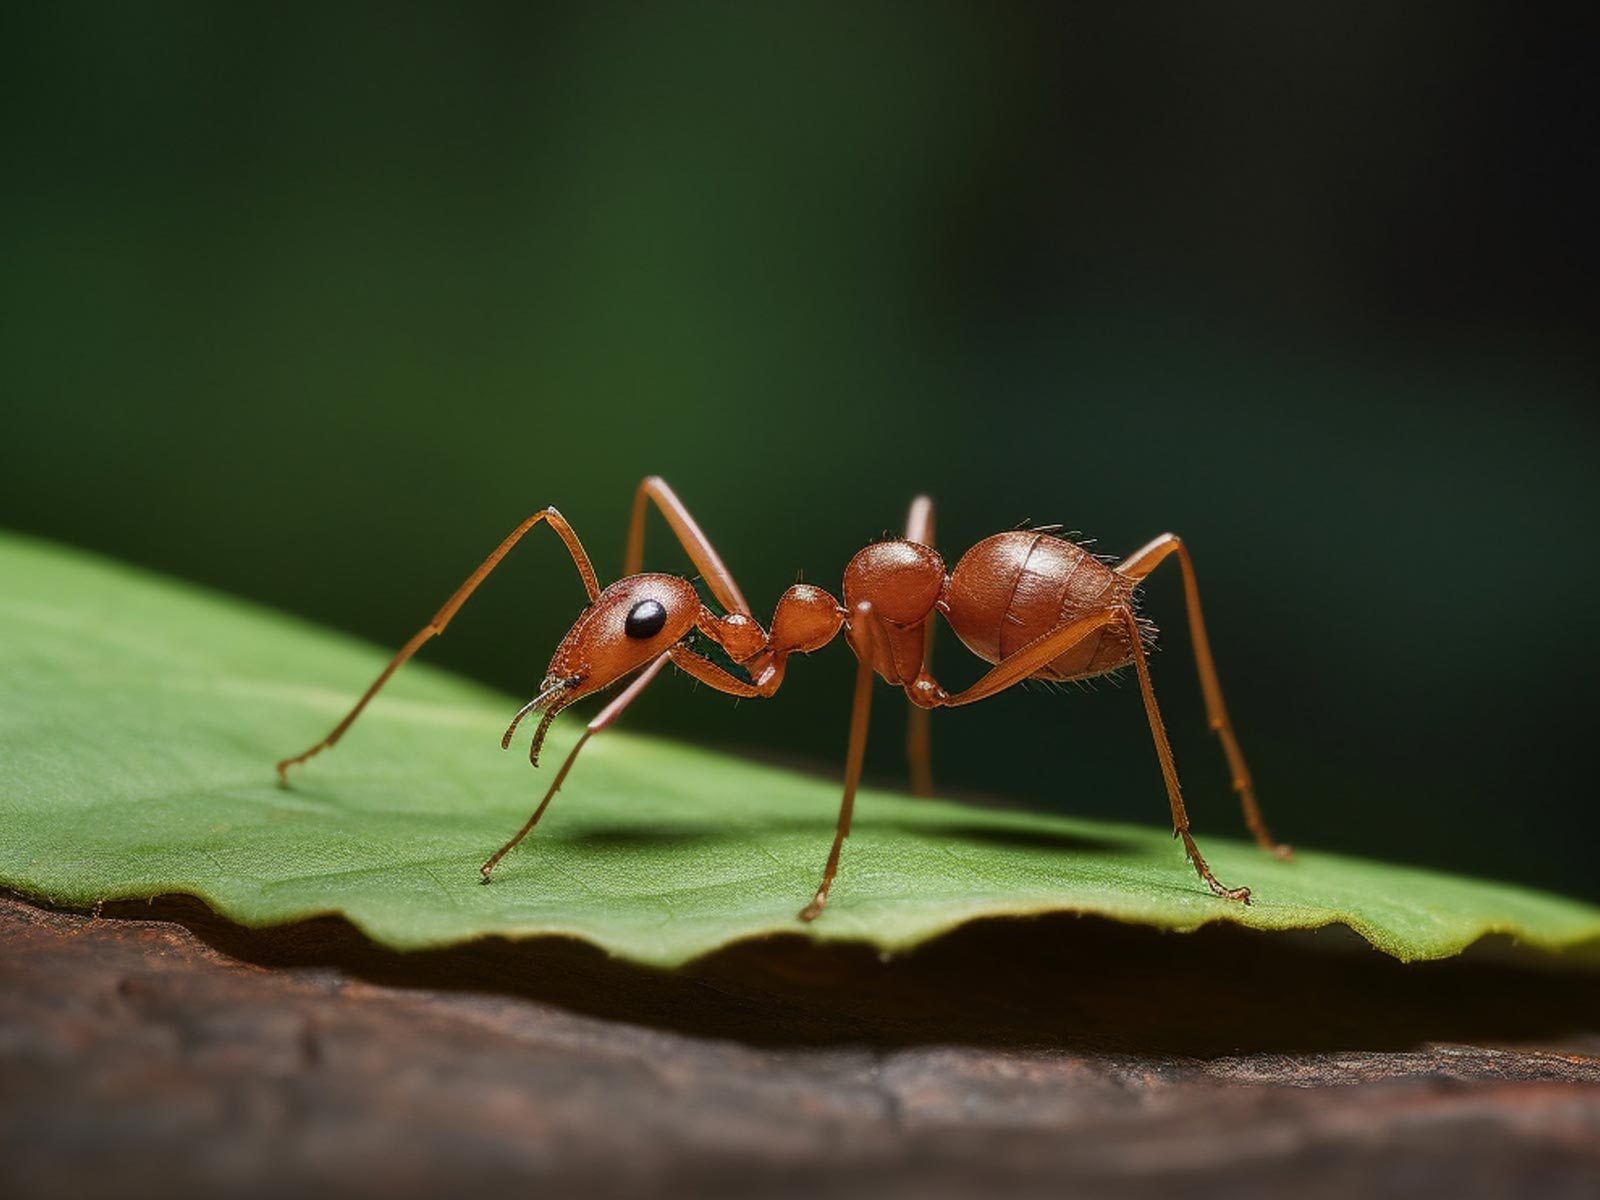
[(919, 746), (1169, 769), (1022, 664), (1137, 566)]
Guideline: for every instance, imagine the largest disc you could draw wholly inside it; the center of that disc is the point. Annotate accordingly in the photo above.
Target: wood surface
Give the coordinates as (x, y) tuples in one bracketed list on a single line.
[(155, 1050)]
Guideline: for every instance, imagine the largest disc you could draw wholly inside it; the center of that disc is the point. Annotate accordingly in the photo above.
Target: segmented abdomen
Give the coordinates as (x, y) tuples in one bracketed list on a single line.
[(1014, 587)]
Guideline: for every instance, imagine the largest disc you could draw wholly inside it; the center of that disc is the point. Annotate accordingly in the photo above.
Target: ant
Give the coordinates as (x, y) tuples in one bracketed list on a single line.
[(1031, 603)]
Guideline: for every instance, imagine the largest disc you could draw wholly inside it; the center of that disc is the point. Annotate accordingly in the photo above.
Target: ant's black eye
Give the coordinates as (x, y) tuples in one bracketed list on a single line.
[(645, 619)]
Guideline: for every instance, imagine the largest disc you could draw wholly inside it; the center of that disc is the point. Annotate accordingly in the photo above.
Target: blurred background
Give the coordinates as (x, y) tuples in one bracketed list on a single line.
[(311, 304)]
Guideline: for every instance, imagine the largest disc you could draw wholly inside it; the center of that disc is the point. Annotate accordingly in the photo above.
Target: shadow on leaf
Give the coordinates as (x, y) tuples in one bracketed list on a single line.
[(680, 834)]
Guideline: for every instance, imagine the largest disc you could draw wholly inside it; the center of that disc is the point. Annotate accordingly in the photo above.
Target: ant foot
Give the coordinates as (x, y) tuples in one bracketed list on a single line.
[(1241, 894), (814, 910), (1278, 850)]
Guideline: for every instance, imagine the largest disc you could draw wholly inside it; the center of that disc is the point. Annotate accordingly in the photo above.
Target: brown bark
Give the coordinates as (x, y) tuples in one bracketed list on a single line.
[(158, 1050)]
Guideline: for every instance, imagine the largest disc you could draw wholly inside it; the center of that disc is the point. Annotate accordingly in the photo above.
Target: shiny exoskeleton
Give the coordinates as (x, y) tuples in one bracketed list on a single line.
[(1033, 604)]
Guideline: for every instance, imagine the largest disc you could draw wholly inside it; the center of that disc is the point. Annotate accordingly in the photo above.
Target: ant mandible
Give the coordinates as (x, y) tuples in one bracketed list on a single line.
[(1033, 604)]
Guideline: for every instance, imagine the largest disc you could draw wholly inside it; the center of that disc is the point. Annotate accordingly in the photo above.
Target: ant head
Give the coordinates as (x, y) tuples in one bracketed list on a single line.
[(633, 621), (630, 623)]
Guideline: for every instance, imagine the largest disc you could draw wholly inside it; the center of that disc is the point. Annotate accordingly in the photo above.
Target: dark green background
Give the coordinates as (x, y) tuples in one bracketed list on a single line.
[(312, 303)]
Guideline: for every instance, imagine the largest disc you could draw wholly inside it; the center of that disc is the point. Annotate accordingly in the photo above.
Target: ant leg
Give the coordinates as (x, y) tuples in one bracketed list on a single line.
[(860, 711), (436, 626), (607, 715), (689, 534), (1050, 646), (1022, 663), (919, 752), (1136, 567), (708, 672), (1169, 769)]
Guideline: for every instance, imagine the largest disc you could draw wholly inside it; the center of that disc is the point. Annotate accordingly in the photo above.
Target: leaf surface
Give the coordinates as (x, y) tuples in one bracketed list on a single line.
[(140, 720)]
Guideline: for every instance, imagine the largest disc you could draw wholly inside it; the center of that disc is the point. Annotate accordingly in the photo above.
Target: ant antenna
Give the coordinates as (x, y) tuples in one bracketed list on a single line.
[(551, 689), (538, 734)]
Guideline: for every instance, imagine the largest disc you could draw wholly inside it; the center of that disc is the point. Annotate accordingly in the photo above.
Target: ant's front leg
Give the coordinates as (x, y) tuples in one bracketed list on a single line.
[(607, 715), (442, 618)]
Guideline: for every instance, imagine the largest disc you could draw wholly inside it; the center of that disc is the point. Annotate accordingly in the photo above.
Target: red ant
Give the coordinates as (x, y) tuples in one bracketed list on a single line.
[(1033, 604)]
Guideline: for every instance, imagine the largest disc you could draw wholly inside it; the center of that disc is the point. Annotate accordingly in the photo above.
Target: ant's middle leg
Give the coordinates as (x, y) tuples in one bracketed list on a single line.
[(690, 536), (865, 624), (919, 750), (1137, 566)]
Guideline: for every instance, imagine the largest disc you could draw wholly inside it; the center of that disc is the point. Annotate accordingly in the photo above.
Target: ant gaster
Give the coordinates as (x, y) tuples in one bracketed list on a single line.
[(1034, 605)]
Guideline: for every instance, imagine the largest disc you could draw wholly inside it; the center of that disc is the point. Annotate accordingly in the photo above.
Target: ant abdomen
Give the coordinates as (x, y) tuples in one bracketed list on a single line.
[(1017, 586)]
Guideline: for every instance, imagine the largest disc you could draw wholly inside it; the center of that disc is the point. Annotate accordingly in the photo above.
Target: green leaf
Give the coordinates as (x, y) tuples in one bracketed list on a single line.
[(141, 721)]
